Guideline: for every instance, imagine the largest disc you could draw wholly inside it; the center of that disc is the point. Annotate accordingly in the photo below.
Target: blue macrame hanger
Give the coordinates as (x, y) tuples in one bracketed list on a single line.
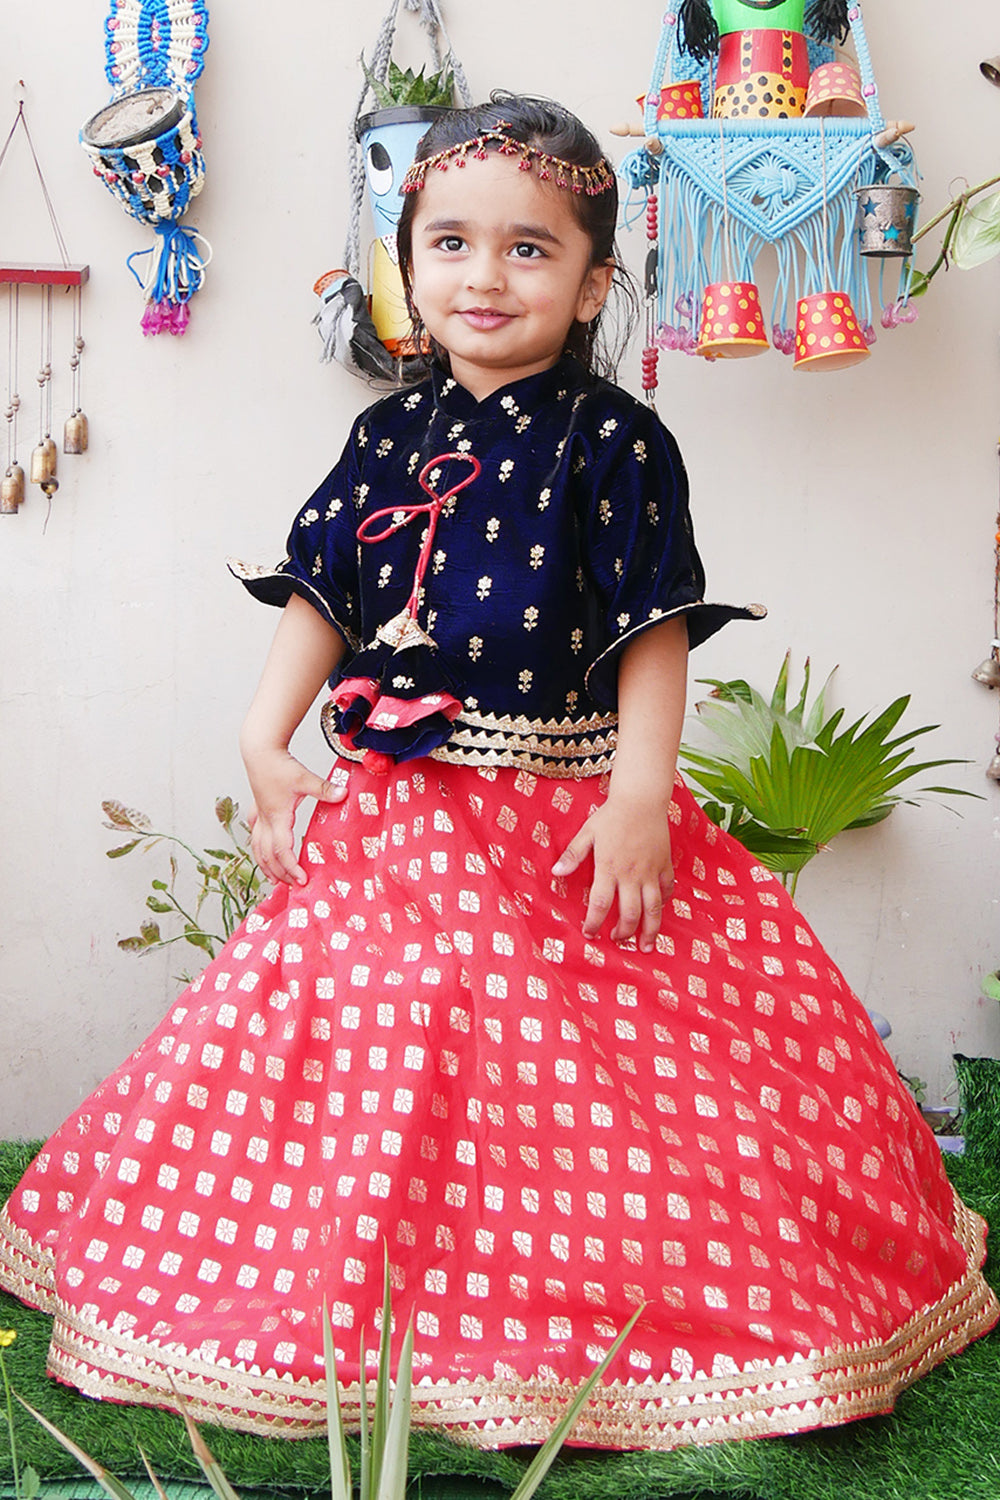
[(146, 146), (719, 190)]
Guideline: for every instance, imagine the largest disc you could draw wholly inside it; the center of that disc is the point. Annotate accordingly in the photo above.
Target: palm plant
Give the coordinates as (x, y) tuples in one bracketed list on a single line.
[(788, 779), (385, 1438)]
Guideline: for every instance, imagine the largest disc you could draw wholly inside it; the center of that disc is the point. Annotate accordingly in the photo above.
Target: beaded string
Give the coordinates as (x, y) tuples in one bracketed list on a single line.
[(579, 179), (13, 352)]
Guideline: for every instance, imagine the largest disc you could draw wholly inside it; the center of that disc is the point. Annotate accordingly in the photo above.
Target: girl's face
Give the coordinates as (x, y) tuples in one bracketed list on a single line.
[(501, 270)]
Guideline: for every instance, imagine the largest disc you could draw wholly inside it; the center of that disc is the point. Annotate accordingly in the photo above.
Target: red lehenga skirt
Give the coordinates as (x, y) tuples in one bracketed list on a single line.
[(419, 1048)]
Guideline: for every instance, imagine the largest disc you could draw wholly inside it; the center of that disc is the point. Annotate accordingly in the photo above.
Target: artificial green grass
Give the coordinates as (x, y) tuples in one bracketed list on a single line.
[(941, 1443)]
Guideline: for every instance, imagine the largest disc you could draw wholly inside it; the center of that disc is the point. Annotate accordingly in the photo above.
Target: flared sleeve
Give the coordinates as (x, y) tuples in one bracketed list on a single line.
[(321, 563), (639, 546)]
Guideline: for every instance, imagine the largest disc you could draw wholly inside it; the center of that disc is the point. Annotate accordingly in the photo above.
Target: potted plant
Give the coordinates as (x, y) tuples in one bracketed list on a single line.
[(786, 780)]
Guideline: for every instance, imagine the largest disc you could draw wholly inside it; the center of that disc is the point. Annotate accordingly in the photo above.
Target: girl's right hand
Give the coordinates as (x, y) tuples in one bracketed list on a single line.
[(279, 782)]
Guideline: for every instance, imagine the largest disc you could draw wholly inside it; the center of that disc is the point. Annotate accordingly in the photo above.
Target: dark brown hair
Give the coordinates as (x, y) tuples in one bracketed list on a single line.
[(599, 344)]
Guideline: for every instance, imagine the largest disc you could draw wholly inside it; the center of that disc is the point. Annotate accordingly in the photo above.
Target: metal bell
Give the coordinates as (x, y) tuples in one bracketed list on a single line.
[(12, 491), (76, 435), (43, 461), (49, 486), (988, 672)]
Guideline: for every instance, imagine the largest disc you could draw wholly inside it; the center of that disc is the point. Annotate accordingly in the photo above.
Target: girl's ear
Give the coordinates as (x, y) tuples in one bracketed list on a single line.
[(594, 292)]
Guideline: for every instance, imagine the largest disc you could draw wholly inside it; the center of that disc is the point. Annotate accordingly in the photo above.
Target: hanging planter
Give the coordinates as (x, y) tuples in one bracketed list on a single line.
[(363, 320), (146, 148)]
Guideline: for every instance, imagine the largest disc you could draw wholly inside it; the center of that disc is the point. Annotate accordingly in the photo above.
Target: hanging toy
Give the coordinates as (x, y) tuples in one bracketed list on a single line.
[(146, 147), (795, 155), (369, 331), (24, 282)]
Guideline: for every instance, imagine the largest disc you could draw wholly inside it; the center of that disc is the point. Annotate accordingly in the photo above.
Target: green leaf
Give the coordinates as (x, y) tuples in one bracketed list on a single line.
[(157, 1486), (108, 1483), (121, 816), (392, 1475), (226, 810), (163, 908), (150, 933), (919, 282), (211, 1470), (380, 1420), (977, 235), (382, 94), (546, 1455), (31, 1485), (340, 1463), (121, 849)]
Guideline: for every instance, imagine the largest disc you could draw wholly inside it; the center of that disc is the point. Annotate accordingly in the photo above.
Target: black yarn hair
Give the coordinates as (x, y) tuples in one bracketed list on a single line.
[(826, 20), (599, 344), (697, 31)]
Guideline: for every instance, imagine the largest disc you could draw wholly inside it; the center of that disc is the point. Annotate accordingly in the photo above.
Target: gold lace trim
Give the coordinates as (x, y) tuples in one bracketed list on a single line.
[(764, 1399), (571, 748)]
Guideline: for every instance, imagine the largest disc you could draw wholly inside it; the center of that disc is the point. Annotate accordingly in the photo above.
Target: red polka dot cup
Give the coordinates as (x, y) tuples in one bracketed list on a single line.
[(732, 324), (835, 89), (678, 101), (827, 336)]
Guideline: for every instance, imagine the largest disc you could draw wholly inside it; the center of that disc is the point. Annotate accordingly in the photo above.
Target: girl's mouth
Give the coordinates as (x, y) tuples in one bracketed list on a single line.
[(484, 318)]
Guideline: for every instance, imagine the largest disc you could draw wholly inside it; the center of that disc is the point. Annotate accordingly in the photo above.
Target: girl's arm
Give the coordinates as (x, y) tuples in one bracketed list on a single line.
[(629, 835), (304, 652)]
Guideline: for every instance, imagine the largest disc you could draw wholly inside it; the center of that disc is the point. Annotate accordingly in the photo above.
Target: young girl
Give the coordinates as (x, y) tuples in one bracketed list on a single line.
[(516, 1011)]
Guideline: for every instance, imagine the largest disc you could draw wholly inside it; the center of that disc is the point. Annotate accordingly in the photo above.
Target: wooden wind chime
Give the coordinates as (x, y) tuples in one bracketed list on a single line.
[(32, 293)]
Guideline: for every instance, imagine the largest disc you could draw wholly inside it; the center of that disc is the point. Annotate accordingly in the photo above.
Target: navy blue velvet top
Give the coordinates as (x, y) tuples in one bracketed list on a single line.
[(574, 537)]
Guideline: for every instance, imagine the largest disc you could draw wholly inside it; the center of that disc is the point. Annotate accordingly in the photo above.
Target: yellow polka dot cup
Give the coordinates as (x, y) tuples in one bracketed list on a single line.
[(827, 335), (732, 324)]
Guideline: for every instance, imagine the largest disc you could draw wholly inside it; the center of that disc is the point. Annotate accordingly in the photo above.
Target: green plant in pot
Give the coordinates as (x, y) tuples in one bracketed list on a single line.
[(786, 778)]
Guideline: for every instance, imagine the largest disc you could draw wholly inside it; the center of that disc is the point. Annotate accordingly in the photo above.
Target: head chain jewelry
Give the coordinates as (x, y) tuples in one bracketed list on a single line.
[(596, 179)]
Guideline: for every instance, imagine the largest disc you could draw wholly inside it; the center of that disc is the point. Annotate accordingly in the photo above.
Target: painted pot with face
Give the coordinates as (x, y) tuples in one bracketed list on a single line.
[(389, 140)]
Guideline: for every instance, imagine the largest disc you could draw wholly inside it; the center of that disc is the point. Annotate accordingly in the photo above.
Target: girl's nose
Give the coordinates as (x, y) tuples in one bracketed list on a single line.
[(484, 272)]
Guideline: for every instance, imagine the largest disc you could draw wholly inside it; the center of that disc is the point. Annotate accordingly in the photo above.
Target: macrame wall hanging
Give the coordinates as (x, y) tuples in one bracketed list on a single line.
[(794, 155), (362, 319), (36, 292), (146, 147)]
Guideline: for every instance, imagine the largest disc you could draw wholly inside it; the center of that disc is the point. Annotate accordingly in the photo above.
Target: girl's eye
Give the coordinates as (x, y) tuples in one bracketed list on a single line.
[(528, 251), (451, 243)]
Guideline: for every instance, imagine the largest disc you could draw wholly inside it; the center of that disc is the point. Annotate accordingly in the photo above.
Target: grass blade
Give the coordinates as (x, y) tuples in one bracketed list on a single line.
[(340, 1463), (157, 1486), (109, 1484), (546, 1455), (366, 1442), (392, 1474), (211, 1470), (380, 1421)]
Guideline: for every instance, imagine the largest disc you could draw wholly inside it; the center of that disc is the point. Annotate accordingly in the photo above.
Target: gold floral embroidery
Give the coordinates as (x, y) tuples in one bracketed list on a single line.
[(483, 587)]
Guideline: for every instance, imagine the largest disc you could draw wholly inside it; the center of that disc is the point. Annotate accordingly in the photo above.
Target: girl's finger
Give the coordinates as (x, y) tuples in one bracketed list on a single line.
[(630, 913), (652, 917), (602, 896), (573, 855)]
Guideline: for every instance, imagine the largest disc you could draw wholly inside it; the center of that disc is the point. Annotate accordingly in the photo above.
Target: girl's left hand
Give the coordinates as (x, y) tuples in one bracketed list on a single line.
[(630, 843)]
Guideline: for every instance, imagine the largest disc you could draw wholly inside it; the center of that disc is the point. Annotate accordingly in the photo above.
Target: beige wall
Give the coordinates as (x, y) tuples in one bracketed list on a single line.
[(859, 505)]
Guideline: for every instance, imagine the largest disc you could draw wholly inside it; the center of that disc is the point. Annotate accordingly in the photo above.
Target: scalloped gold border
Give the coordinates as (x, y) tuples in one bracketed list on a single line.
[(763, 1400)]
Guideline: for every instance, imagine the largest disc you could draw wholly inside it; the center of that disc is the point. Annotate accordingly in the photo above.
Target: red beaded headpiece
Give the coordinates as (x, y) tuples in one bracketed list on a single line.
[(567, 174)]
